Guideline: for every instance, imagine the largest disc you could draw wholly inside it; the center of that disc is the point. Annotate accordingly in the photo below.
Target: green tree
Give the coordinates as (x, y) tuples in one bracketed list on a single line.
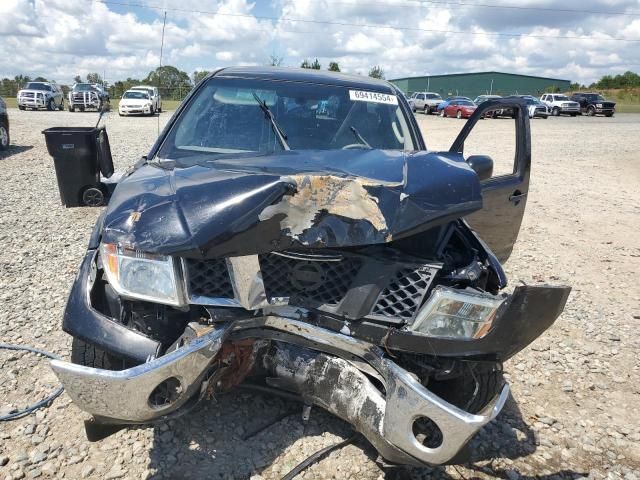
[(376, 72), (174, 84), (40, 79), (315, 65), (94, 78), (199, 75), (77, 79), (334, 67)]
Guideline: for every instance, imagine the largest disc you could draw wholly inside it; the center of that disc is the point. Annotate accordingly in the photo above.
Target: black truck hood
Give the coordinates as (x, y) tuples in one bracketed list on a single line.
[(252, 204)]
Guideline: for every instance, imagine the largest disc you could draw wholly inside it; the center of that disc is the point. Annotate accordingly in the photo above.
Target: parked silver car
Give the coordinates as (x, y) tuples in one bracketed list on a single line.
[(425, 101), (154, 95), (38, 95)]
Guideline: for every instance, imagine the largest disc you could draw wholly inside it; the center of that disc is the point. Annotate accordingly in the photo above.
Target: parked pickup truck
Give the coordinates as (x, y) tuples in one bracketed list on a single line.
[(424, 101), (38, 95), (85, 96), (594, 104), (560, 104), (344, 263)]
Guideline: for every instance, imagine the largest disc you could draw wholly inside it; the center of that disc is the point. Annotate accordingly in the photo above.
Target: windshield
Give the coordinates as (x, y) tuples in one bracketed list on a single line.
[(466, 103), (594, 97), (37, 86), (143, 89), (561, 97), (434, 96), (83, 87), (138, 95), (225, 118)]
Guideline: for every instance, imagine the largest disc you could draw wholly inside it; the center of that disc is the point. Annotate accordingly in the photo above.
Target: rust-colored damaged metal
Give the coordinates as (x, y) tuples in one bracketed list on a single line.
[(238, 357)]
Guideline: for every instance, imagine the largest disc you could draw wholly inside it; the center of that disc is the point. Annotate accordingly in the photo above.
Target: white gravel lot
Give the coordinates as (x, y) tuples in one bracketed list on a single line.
[(576, 391)]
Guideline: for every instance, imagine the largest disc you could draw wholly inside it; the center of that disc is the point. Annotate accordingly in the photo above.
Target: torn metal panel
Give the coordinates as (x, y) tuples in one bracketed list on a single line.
[(250, 204)]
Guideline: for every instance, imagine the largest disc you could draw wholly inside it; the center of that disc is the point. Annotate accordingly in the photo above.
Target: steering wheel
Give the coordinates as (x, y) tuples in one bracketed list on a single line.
[(351, 146)]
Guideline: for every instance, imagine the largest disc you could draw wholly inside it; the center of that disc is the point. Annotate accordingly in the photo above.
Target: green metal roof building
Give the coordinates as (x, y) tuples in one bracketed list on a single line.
[(482, 83)]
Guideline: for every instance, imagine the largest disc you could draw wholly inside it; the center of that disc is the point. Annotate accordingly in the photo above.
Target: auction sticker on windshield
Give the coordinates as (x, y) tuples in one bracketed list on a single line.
[(364, 96)]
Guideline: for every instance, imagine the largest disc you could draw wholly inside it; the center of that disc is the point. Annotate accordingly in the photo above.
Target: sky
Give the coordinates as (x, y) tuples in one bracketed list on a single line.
[(578, 40)]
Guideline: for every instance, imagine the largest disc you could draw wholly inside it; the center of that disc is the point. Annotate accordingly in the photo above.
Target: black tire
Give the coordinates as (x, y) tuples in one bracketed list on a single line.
[(22, 107), (574, 114), (426, 110), (459, 114), (477, 384), (160, 108), (608, 114), (83, 353), (71, 109), (61, 107), (555, 112), (5, 140), (51, 105), (591, 112)]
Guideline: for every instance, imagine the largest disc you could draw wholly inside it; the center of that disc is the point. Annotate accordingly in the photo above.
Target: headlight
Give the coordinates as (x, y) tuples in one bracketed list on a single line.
[(599, 105), (458, 314), (141, 275)]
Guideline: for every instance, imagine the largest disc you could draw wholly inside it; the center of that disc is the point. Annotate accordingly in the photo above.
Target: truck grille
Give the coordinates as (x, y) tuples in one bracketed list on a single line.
[(404, 294), (84, 97), (320, 280), (208, 278)]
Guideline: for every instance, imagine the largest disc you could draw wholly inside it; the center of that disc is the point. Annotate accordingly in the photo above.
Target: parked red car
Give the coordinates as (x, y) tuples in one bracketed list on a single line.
[(460, 109)]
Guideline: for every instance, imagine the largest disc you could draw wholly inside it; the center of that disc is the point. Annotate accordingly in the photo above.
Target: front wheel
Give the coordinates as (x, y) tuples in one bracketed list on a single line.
[(51, 105), (426, 110), (22, 107), (71, 109), (4, 136), (555, 112), (591, 112), (459, 114), (88, 355), (476, 384)]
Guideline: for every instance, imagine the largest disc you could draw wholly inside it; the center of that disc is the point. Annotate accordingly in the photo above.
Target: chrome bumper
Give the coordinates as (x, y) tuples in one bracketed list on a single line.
[(386, 420)]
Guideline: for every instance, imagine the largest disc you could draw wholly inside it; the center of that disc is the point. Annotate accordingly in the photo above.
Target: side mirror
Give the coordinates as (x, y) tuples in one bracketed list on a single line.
[(482, 165)]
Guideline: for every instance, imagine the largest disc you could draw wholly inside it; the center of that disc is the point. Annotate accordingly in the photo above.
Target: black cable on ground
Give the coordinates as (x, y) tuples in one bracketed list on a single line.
[(319, 455), (42, 403)]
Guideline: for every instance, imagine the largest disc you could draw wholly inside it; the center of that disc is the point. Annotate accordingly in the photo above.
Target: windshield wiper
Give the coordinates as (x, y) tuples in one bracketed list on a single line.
[(282, 137), (360, 137)]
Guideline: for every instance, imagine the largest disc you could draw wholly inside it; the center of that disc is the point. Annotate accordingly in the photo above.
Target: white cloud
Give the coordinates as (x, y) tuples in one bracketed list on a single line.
[(87, 36)]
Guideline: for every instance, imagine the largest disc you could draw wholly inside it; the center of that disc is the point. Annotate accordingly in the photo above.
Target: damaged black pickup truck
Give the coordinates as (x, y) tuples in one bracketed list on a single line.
[(290, 230)]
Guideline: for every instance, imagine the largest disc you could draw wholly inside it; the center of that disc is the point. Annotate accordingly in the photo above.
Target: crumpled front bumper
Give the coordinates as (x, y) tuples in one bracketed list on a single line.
[(385, 419)]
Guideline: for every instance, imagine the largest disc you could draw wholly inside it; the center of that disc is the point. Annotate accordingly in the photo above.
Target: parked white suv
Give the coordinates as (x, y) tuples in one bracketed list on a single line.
[(154, 95), (425, 101), (560, 104), (41, 95)]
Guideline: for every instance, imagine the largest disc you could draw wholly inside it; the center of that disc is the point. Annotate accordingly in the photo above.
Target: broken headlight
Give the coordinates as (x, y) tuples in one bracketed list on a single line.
[(458, 314), (141, 275)]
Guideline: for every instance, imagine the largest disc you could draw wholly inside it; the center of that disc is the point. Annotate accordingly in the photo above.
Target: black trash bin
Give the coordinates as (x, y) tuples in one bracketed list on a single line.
[(79, 154)]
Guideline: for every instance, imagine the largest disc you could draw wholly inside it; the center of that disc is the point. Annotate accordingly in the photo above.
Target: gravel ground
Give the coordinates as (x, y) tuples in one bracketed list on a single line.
[(576, 392)]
